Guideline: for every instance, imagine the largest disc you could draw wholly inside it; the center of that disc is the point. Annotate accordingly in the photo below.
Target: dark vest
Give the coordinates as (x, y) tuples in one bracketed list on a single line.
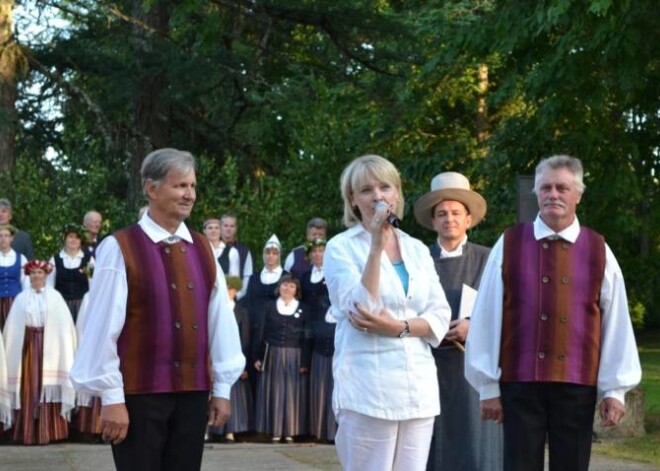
[(10, 279), (551, 323), (163, 346), (300, 263), (243, 252), (72, 283)]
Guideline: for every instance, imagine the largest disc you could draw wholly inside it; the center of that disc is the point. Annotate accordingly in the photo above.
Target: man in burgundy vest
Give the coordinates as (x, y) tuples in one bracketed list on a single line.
[(551, 331), (160, 336)]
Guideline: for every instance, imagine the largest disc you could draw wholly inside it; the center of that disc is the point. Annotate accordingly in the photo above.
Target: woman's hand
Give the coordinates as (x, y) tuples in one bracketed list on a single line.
[(257, 365), (382, 323)]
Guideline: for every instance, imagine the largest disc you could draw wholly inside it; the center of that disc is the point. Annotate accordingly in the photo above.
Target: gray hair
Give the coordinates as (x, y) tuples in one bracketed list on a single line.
[(317, 223), (159, 163), (88, 215), (359, 170), (572, 164), (5, 203)]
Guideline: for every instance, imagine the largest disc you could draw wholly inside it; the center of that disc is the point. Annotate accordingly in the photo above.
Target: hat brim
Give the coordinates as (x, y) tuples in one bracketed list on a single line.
[(473, 201)]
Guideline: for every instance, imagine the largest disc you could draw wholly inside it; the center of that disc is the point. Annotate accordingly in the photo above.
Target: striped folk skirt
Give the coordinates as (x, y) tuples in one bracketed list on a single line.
[(322, 418), (36, 423), (88, 419), (242, 410), (5, 306), (74, 307), (281, 405)]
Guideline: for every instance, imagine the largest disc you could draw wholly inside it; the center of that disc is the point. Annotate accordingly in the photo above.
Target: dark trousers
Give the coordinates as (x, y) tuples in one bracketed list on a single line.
[(165, 432), (562, 412)]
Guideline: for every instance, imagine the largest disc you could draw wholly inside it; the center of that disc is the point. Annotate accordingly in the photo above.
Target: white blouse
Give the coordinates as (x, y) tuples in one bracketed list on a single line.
[(375, 375)]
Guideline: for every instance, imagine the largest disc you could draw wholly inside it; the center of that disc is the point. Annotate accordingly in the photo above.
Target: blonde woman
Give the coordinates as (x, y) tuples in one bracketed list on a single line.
[(390, 309)]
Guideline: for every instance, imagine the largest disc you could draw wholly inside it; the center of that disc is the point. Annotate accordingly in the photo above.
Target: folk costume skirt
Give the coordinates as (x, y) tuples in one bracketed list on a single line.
[(322, 417), (281, 406), (36, 422)]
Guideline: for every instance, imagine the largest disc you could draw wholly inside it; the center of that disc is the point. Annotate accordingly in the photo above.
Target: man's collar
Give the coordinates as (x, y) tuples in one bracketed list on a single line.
[(157, 234), (543, 231)]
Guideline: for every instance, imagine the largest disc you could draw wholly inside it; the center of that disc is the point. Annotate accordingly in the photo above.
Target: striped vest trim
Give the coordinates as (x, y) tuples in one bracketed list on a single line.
[(164, 344), (551, 323)]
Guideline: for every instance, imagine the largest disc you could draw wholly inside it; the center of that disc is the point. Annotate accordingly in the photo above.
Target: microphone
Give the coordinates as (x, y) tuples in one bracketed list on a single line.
[(391, 217)]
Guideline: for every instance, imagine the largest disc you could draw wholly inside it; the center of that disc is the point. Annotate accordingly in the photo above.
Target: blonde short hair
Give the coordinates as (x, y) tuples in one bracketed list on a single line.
[(357, 172)]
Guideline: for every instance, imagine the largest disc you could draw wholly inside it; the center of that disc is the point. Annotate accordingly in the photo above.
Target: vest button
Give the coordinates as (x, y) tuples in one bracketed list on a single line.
[(173, 285), (195, 326), (563, 319), (177, 324), (183, 249), (177, 364), (544, 317), (167, 250), (545, 245), (564, 280), (190, 285), (545, 279), (565, 245), (541, 355), (561, 357)]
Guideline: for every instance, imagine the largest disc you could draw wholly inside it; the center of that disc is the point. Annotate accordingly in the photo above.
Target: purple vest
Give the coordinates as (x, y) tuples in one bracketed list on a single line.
[(163, 346), (551, 323)]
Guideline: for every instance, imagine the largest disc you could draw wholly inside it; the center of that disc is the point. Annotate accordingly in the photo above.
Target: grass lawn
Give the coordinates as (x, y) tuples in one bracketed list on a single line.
[(647, 448)]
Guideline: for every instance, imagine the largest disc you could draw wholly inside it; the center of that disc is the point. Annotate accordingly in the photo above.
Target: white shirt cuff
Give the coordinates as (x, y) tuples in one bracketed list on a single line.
[(112, 396), (489, 391)]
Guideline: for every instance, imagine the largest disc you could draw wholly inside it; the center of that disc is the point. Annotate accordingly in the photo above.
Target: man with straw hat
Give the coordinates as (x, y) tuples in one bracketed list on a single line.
[(460, 439)]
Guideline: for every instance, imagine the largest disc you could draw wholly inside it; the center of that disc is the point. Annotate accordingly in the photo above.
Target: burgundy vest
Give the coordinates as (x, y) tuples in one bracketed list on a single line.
[(551, 323), (164, 346)]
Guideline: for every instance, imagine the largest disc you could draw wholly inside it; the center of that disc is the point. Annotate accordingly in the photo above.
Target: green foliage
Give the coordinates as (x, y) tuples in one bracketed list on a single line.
[(276, 97)]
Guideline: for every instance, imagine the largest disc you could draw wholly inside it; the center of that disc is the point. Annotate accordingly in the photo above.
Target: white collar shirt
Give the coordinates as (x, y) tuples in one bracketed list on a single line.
[(375, 375)]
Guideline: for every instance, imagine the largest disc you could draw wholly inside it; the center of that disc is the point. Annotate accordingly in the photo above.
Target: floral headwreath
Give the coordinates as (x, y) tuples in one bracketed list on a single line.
[(310, 244), (37, 264)]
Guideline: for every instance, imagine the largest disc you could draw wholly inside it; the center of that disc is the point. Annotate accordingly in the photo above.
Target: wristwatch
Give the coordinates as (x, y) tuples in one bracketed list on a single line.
[(405, 332)]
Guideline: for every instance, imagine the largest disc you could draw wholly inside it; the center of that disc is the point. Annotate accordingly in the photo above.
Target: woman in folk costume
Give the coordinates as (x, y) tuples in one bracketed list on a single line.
[(12, 279), (5, 403), (261, 291), (87, 418), (241, 402), (323, 324), (40, 342), (282, 357), (70, 269)]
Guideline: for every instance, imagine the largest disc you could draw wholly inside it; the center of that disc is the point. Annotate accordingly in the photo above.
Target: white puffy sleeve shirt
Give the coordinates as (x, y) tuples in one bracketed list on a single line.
[(375, 375)]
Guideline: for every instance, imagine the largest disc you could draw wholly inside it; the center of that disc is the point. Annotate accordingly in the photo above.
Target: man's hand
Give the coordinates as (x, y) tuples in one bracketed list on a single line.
[(458, 330), (219, 411), (114, 423), (611, 412), (491, 409)]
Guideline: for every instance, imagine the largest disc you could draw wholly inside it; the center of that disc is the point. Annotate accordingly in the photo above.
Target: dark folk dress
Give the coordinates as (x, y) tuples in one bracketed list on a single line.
[(322, 417), (283, 346)]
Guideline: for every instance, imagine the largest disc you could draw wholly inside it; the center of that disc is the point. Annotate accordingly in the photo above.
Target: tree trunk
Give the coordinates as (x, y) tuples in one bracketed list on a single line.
[(482, 108), (8, 68), (150, 114)]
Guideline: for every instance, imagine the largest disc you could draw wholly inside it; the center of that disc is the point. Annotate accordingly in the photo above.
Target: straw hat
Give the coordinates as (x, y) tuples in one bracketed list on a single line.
[(449, 186)]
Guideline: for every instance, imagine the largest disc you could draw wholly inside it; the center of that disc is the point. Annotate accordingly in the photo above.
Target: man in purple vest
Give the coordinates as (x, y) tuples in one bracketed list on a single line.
[(296, 262), (551, 331), (160, 334)]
